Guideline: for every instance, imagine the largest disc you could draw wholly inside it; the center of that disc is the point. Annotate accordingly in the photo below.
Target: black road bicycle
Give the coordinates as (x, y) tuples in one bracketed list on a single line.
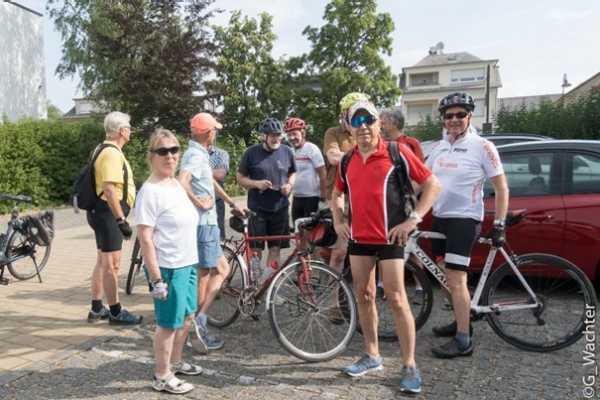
[(26, 244)]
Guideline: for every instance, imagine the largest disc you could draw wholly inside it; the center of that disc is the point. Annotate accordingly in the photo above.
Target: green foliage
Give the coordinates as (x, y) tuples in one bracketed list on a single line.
[(54, 112), (575, 120), (147, 58), (428, 128), (249, 81), (346, 56), (42, 158)]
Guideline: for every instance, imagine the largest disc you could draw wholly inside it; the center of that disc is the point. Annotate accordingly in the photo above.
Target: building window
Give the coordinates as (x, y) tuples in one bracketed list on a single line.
[(428, 79), (418, 112), (467, 76)]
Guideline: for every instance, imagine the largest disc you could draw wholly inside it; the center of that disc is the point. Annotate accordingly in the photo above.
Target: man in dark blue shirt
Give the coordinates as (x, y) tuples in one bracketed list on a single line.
[(268, 171)]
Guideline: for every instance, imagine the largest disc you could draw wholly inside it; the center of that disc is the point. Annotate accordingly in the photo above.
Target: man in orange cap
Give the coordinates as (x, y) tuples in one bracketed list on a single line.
[(197, 180)]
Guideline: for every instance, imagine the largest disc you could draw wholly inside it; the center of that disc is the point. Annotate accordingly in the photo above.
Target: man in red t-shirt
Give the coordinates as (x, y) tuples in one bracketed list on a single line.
[(392, 123), (379, 230)]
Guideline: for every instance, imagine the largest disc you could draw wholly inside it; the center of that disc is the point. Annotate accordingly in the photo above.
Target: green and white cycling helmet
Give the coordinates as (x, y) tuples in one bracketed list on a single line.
[(350, 99)]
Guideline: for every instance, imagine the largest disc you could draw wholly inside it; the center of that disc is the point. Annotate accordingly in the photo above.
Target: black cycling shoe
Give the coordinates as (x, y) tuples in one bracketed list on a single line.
[(452, 349), (449, 330)]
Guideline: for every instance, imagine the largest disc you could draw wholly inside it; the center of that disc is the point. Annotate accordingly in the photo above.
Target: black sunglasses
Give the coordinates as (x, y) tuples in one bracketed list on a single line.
[(163, 151), (458, 115)]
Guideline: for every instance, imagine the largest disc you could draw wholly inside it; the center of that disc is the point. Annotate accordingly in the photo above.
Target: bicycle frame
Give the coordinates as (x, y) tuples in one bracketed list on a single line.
[(245, 241), (412, 247)]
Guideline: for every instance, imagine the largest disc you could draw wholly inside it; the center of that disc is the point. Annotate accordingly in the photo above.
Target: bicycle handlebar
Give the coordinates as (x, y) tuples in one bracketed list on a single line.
[(21, 198)]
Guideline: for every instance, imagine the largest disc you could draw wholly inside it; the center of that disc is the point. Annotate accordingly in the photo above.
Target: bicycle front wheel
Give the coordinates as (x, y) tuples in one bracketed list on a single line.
[(312, 311), (224, 309), (134, 267), (24, 254), (563, 292)]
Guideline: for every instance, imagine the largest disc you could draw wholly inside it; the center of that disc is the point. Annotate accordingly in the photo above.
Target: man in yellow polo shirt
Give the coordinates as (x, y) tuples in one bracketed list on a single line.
[(116, 191)]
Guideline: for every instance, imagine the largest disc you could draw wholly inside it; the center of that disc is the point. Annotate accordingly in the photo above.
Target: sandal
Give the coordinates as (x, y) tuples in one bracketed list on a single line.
[(185, 368), (171, 384)]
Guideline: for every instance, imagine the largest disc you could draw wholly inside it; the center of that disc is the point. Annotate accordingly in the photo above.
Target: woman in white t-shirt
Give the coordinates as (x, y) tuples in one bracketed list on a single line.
[(166, 226)]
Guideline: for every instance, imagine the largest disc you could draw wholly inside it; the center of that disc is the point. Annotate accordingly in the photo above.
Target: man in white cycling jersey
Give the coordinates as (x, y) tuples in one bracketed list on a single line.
[(462, 161)]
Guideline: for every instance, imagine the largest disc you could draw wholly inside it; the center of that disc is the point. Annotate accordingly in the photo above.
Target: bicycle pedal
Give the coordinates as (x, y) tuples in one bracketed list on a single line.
[(4, 281)]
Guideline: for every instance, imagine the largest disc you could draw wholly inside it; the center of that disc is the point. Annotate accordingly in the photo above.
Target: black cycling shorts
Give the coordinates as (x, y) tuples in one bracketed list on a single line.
[(461, 234), (381, 251), (266, 223), (302, 207), (103, 222)]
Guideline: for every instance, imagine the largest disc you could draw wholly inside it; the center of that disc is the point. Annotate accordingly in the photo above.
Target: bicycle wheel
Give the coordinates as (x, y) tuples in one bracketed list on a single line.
[(420, 298), (25, 255), (563, 291), (134, 267), (312, 311), (224, 309)]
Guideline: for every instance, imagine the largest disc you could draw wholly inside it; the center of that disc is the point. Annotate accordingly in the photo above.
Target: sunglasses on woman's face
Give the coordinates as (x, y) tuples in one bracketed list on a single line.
[(163, 151), (358, 120), (458, 115)]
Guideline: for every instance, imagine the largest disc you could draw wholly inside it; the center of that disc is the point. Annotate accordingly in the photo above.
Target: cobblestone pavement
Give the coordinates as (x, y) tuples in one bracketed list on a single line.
[(253, 365)]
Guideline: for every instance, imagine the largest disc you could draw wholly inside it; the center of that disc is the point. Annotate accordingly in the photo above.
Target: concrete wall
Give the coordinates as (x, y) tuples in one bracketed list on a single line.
[(22, 63)]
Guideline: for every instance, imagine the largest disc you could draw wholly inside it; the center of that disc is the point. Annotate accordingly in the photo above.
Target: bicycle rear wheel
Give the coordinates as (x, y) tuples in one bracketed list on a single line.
[(224, 309), (135, 266), (312, 311), (563, 291), (420, 298), (24, 254)]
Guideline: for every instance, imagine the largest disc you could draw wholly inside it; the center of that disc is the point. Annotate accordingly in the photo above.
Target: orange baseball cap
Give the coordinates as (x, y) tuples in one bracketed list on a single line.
[(202, 122)]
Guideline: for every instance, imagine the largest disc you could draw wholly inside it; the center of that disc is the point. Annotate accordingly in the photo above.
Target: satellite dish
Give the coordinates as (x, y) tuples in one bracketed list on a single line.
[(437, 49)]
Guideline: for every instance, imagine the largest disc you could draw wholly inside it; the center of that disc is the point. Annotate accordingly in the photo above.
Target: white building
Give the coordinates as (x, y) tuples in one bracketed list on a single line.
[(22, 62), (437, 75)]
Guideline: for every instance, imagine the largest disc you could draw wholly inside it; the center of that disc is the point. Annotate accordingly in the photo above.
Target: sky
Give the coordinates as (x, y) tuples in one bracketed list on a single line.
[(536, 42)]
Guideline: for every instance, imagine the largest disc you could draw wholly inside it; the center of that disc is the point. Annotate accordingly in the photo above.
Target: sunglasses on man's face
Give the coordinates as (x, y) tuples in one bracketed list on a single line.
[(163, 151), (358, 120), (458, 115)]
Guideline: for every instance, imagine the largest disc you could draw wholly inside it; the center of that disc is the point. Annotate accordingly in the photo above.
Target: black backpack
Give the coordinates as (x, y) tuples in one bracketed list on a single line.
[(408, 197), (84, 188)]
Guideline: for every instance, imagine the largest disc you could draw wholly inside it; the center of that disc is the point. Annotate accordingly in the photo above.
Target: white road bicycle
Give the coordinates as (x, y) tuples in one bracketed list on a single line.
[(536, 302)]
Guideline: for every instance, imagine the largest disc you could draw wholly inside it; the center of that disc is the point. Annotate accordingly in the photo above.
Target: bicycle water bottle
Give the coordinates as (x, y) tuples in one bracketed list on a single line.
[(255, 267)]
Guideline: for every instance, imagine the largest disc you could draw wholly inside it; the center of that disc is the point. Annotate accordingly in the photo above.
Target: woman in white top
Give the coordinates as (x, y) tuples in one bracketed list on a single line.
[(166, 227)]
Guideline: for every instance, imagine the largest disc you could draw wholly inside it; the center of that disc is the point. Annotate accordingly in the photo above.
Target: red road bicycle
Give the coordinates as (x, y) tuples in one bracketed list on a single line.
[(311, 308)]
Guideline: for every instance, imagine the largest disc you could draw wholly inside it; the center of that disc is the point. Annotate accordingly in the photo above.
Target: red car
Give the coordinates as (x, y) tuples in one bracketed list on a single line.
[(558, 183)]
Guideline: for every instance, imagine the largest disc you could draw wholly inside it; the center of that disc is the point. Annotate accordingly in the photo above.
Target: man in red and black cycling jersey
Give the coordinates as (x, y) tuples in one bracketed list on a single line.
[(379, 230)]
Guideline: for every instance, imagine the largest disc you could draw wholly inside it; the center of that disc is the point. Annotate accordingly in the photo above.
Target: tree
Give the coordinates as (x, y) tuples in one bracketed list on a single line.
[(579, 119), (249, 81), (346, 56), (144, 57), (54, 113)]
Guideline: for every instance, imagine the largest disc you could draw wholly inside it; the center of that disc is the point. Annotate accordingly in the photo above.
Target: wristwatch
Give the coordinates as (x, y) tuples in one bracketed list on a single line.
[(415, 215), (120, 220)]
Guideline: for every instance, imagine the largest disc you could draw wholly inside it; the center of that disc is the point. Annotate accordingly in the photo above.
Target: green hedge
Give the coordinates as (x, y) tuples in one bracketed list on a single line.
[(42, 158)]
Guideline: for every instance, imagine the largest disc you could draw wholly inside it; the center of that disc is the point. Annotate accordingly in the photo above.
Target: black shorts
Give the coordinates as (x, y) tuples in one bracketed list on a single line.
[(461, 234), (103, 222), (267, 223), (381, 251), (302, 207)]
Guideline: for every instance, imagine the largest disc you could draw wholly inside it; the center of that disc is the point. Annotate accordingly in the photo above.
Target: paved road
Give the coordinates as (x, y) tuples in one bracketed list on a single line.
[(254, 366)]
